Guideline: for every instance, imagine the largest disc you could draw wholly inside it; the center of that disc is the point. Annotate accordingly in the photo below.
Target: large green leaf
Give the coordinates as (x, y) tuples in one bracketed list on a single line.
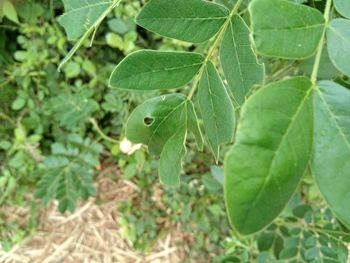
[(331, 158), (156, 120), (338, 40), (171, 157), (238, 60), (192, 21), (152, 70), (343, 7), (80, 15), (217, 109), (272, 149), (285, 29)]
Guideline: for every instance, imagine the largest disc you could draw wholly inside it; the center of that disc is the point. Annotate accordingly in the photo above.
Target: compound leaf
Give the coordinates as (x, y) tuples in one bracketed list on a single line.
[(217, 109), (239, 62), (192, 21), (272, 149), (69, 172), (155, 70), (285, 29), (331, 158), (155, 121), (343, 7), (72, 110), (338, 40)]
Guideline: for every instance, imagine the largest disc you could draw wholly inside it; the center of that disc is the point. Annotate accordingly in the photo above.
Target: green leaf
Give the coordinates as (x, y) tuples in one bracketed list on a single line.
[(338, 40), (10, 11), (238, 60), (171, 157), (326, 69), (272, 149), (285, 29), (80, 15), (72, 69), (192, 21), (156, 120), (331, 159), (69, 172), (193, 125), (30, 11), (81, 19), (154, 70), (72, 110), (216, 108), (343, 7)]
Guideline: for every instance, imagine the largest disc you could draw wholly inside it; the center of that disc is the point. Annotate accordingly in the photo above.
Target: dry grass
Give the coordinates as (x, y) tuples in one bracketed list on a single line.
[(91, 234)]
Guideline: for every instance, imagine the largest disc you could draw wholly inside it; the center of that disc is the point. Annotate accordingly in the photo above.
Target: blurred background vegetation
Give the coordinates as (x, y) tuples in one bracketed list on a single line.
[(69, 125)]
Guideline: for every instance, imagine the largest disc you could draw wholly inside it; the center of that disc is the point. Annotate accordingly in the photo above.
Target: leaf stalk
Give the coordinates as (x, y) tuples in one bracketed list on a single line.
[(217, 40), (317, 62)]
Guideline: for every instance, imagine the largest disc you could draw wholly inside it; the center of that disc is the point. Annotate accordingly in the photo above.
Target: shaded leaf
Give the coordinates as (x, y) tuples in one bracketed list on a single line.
[(192, 21), (238, 60), (338, 40), (285, 29), (343, 7), (332, 143), (270, 155), (217, 110), (326, 70), (153, 70)]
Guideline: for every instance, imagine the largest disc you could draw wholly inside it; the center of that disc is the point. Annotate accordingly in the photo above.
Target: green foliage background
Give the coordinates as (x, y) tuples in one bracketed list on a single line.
[(50, 144)]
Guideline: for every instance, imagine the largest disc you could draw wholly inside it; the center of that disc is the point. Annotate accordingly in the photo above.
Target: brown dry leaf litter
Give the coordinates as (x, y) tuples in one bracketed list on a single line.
[(89, 235)]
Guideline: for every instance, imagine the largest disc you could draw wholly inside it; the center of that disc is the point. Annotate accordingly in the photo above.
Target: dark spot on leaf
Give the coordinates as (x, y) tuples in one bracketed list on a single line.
[(148, 121)]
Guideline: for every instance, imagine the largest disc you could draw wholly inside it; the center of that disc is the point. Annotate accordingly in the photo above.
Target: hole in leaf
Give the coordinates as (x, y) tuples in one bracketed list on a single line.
[(148, 121)]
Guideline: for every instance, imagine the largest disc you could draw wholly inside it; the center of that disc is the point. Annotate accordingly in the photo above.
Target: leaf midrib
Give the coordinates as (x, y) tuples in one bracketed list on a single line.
[(290, 28), (184, 18), (158, 71)]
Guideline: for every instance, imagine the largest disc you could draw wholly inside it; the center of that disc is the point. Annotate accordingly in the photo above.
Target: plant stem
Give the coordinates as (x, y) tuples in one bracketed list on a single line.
[(101, 133), (320, 47), (217, 40)]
